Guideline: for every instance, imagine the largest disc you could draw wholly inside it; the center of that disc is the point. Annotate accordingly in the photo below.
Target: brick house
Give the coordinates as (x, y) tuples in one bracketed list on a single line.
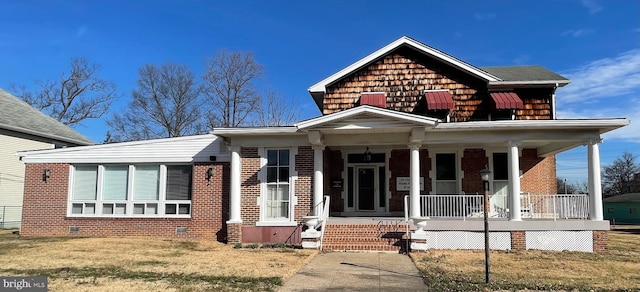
[(404, 133)]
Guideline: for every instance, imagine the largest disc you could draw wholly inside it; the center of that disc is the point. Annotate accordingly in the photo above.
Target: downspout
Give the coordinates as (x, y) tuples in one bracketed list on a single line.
[(553, 102)]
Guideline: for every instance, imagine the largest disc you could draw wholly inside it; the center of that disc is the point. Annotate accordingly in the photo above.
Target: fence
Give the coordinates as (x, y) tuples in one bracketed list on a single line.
[(10, 217), (532, 206)]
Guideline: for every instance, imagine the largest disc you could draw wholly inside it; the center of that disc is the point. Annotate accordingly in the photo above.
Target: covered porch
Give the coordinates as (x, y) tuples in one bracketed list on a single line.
[(367, 159)]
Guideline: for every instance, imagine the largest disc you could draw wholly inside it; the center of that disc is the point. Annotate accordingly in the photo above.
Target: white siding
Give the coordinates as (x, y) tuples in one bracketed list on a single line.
[(180, 149), (12, 174)]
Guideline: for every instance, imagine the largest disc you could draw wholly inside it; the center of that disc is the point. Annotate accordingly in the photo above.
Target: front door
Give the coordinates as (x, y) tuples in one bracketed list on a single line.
[(366, 188)]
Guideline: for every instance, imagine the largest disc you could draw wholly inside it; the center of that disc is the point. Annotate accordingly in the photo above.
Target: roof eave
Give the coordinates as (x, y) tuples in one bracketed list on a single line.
[(47, 136), (603, 125), (558, 83), (230, 132)]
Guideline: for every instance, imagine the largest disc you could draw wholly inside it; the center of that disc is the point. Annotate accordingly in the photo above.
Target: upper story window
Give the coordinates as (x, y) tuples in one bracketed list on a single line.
[(439, 104), (505, 104), (131, 190), (378, 99)]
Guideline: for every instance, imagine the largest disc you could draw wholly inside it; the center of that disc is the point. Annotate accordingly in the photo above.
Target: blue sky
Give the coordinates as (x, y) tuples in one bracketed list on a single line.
[(595, 43)]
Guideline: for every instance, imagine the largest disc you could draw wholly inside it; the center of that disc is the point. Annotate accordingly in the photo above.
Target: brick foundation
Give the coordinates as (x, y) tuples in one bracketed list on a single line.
[(518, 240), (234, 231), (600, 241)]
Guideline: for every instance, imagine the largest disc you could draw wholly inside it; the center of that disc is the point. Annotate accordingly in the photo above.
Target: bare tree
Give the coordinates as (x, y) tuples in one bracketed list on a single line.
[(276, 111), (565, 187), (78, 95), (230, 90), (166, 103), (618, 177)]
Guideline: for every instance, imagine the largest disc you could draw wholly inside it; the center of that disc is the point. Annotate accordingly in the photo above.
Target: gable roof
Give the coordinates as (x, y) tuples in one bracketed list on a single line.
[(370, 112), (403, 41), (18, 116), (507, 75), (624, 198), (525, 75), (197, 148)]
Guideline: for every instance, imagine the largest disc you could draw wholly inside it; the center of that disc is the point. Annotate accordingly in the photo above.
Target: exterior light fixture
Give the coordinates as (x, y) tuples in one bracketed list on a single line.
[(366, 157), (484, 175), (209, 174), (46, 174)]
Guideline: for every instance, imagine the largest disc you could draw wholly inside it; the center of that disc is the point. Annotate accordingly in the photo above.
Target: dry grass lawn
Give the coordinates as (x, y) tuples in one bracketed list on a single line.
[(143, 264), (618, 270)]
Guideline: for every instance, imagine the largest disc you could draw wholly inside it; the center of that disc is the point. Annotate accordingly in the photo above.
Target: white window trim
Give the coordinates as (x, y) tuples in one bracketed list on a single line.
[(129, 201), (459, 172), (262, 180)]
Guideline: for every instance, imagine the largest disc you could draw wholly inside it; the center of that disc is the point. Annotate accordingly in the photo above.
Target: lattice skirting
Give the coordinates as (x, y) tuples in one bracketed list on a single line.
[(467, 240), (560, 240)]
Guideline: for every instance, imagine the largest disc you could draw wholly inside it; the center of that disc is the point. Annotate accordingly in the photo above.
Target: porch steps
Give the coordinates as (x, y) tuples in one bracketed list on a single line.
[(382, 236)]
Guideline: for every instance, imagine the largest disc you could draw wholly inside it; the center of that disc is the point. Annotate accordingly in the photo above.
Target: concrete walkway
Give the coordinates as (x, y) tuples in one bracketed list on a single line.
[(351, 271)]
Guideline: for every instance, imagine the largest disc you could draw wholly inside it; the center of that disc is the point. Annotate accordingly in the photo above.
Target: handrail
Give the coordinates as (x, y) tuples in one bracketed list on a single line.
[(406, 208), (406, 221), (324, 218)]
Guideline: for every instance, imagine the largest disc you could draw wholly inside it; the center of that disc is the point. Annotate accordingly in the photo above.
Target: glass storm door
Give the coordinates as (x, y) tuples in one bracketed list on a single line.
[(366, 187)]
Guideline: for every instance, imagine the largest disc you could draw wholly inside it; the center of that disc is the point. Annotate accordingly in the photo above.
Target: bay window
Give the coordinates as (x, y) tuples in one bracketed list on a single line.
[(131, 190)]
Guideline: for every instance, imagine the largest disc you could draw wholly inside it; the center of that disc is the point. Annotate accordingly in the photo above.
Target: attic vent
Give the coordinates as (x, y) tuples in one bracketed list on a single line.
[(377, 99)]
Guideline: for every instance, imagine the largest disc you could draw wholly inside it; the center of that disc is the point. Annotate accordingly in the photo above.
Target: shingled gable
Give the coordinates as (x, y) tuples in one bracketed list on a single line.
[(317, 90), (17, 116)]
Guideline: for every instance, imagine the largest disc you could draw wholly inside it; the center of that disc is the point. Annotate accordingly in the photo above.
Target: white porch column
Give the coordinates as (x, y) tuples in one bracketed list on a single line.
[(514, 180), (414, 190), (234, 194), (595, 187), (318, 181)]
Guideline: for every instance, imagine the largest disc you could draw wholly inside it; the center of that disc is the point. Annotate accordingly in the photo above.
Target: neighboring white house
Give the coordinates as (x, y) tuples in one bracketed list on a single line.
[(24, 128)]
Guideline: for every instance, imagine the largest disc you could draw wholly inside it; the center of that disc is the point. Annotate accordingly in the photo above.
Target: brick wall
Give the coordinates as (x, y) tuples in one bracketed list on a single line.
[(334, 170), (249, 185), (472, 162), (304, 189), (250, 191), (45, 208), (518, 240), (399, 165), (600, 241), (539, 173)]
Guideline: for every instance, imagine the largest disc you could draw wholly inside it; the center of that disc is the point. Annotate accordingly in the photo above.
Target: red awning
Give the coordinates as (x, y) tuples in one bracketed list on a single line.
[(374, 99), (439, 100), (506, 100)]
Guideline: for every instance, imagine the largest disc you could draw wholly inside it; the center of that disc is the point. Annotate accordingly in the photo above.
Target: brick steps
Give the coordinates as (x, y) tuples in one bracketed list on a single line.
[(364, 237)]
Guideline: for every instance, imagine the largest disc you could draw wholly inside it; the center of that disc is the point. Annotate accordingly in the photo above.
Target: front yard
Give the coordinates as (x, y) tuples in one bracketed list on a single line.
[(143, 264), (619, 270)]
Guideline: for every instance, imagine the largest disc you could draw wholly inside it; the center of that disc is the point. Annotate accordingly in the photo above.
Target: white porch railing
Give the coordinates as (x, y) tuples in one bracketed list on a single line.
[(533, 206)]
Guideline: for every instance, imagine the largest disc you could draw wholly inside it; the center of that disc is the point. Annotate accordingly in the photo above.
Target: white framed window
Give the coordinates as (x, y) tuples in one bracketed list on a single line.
[(446, 174), (277, 176), (115, 190)]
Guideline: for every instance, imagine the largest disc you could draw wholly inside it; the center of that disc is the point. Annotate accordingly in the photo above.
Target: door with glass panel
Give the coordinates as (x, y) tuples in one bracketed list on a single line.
[(366, 182)]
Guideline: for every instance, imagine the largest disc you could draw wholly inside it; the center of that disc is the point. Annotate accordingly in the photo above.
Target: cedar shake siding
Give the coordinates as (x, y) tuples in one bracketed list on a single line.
[(403, 75)]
